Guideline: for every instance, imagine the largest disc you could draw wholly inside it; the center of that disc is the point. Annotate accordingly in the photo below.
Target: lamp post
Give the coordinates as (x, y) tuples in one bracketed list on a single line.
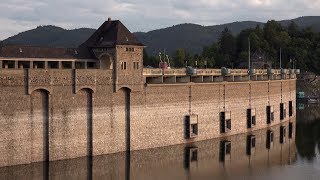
[(249, 58), (280, 58)]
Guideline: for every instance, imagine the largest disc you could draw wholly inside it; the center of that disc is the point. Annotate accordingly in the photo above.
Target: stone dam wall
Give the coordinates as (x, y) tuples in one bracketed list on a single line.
[(48, 115)]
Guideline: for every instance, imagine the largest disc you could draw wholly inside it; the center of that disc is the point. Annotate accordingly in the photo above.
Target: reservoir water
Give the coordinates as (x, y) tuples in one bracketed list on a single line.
[(290, 151)]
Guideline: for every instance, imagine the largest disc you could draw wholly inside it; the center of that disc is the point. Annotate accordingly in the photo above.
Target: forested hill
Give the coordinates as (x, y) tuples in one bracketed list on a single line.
[(192, 37), (51, 36)]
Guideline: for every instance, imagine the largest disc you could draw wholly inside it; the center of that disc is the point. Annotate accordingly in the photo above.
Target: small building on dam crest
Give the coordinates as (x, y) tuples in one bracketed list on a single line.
[(96, 99)]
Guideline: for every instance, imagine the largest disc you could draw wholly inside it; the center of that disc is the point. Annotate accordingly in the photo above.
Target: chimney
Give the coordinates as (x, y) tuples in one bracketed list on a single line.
[(109, 19)]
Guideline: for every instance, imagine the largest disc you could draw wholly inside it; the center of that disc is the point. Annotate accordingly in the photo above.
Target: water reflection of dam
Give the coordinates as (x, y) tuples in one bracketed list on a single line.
[(219, 158)]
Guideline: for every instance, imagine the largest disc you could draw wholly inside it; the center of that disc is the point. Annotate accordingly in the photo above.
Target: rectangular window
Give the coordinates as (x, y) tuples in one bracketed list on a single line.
[(228, 124), (80, 65), (194, 129), (66, 64), (270, 114), (130, 49), (290, 108), (225, 121), (123, 65), (24, 64), (91, 65), (38, 64), (282, 111), (251, 118), (53, 64), (135, 65), (9, 64), (191, 126)]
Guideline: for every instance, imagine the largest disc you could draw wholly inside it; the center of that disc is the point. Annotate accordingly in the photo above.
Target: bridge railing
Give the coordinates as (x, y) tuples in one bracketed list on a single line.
[(152, 72), (175, 72), (238, 72), (277, 71), (215, 72), (261, 71), (208, 72)]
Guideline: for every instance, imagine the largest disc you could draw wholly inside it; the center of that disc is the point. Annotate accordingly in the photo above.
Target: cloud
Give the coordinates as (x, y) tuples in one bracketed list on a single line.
[(144, 15)]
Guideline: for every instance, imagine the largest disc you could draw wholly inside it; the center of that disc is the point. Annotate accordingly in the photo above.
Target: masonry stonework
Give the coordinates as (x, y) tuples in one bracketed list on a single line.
[(157, 113)]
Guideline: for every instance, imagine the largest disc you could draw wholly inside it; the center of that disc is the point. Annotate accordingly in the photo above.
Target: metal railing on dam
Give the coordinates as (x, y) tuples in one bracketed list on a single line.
[(185, 75)]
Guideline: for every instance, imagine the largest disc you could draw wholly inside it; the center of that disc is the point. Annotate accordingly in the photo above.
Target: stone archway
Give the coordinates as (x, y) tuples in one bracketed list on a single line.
[(122, 116), (106, 61), (122, 109), (83, 123)]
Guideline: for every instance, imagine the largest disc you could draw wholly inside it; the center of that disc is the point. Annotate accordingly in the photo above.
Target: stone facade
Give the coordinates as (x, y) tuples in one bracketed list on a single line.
[(35, 115)]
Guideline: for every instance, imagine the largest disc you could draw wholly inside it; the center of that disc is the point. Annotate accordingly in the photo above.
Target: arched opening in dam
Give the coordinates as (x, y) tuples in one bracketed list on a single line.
[(122, 117), (84, 98), (40, 125), (126, 100)]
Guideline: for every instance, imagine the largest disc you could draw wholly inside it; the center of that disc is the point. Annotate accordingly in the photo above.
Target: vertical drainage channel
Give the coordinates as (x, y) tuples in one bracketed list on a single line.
[(89, 134), (127, 119)]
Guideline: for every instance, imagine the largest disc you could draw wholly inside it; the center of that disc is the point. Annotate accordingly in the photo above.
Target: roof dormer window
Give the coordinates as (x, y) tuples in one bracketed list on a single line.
[(129, 49)]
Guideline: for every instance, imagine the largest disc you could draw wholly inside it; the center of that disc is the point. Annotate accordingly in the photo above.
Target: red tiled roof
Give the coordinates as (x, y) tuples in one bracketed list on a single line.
[(17, 51)]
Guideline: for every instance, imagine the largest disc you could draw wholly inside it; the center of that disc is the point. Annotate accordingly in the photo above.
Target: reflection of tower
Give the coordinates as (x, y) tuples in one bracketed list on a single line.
[(225, 154), (190, 160), (250, 147), (269, 143)]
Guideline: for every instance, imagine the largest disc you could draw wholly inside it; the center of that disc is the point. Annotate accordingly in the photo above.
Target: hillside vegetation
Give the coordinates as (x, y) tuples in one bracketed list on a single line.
[(219, 45), (191, 37), (51, 36)]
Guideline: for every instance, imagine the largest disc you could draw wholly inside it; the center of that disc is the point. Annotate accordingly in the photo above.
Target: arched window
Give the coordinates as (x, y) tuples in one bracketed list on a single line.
[(106, 61)]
